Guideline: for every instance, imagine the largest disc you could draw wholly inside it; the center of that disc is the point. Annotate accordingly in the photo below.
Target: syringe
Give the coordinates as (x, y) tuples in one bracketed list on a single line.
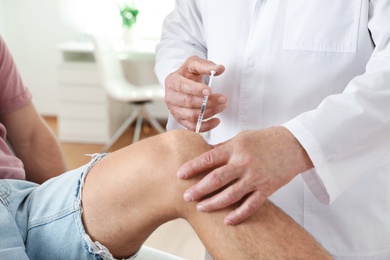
[(203, 108)]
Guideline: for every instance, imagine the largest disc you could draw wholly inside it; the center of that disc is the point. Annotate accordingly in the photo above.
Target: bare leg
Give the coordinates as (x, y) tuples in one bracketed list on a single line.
[(131, 192)]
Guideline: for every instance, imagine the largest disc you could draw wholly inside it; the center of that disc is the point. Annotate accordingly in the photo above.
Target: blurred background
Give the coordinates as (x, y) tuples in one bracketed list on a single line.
[(49, 38), (35, 29)]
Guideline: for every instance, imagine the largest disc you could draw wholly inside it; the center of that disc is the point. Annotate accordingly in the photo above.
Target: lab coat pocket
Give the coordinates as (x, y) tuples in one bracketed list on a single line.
[(322, 25)]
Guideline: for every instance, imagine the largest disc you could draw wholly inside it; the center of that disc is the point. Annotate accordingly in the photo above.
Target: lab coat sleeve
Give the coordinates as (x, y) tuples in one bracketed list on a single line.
[(182, 37), (349, 133)]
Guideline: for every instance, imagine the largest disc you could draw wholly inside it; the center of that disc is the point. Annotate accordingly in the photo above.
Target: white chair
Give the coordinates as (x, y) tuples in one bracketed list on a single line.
[(119, 88)]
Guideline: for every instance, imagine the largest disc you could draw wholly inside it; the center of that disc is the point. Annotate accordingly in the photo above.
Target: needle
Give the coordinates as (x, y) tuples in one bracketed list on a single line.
[(203, 108)]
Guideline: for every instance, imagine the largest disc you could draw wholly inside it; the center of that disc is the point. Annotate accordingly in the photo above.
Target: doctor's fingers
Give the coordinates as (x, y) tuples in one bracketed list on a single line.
[(183, 115), (186, 111), (239, 193), (192, 86), (208, 125), (188, 107), (195, 65), (250, 205), (186, 117), (221, 180), (234, 189), (205, 162), (193, 101), (176, 99)]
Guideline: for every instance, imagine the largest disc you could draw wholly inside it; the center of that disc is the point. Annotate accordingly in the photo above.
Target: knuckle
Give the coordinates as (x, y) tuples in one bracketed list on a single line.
[(190, 61), (216, 180), (169, 79), (193, 57), (181, 87), (167, 98), (231, 198), (250, 184), (207, 159), (251, 207), (248, 159), (194, 116), (186, 100), (196, 192), (262, 197), (173, 111)]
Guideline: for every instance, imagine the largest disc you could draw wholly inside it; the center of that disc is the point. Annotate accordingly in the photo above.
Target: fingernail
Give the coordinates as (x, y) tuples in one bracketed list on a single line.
[(228, 222), (206, 92), (201, 208), (181, 174), (188, 197)]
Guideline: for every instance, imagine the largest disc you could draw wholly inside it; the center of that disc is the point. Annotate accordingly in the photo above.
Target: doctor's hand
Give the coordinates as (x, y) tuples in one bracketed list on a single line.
[(185, 90), (245, 171)]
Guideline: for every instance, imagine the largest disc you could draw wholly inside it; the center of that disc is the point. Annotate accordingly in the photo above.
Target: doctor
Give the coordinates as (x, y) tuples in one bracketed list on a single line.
[(299, 112)]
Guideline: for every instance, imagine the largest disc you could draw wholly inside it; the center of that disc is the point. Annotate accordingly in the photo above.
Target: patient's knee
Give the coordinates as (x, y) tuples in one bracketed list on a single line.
[(186, 144)]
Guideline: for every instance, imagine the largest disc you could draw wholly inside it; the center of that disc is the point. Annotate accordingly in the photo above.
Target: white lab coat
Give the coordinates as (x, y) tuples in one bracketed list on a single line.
[(322, 69)]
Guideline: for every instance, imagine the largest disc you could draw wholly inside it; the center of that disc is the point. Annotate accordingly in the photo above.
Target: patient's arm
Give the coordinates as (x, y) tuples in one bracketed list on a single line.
[(131, 192)]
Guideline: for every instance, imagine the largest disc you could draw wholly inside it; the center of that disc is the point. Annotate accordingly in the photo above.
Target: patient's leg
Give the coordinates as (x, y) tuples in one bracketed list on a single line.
[(131, 192)]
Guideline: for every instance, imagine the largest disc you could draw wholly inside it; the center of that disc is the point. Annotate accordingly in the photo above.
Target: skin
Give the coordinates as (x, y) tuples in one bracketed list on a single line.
[(131, 192), (34, 143), (252, 165), (32, 140), (185, 90)]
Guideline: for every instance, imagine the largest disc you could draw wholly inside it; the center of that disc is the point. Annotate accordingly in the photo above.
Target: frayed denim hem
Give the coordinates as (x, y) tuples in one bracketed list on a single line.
[(94, 248)]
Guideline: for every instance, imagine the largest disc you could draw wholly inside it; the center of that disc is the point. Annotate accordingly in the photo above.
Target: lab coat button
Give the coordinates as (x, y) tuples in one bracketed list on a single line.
[(251, 62)]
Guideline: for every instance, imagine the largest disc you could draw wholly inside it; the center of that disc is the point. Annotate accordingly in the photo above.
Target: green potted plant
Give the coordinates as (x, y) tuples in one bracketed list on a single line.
[(128, 13)]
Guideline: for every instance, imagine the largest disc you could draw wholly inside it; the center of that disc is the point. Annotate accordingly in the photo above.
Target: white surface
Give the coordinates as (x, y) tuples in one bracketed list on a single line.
[(148, 253), (178, 238)]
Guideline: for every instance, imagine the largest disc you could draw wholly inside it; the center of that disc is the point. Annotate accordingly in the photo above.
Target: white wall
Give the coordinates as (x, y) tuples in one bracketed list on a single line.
[(2, 17), (34, 29)]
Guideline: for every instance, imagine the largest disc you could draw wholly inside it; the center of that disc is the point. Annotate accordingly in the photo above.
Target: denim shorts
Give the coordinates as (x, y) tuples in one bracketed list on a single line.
[(44, 221)]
